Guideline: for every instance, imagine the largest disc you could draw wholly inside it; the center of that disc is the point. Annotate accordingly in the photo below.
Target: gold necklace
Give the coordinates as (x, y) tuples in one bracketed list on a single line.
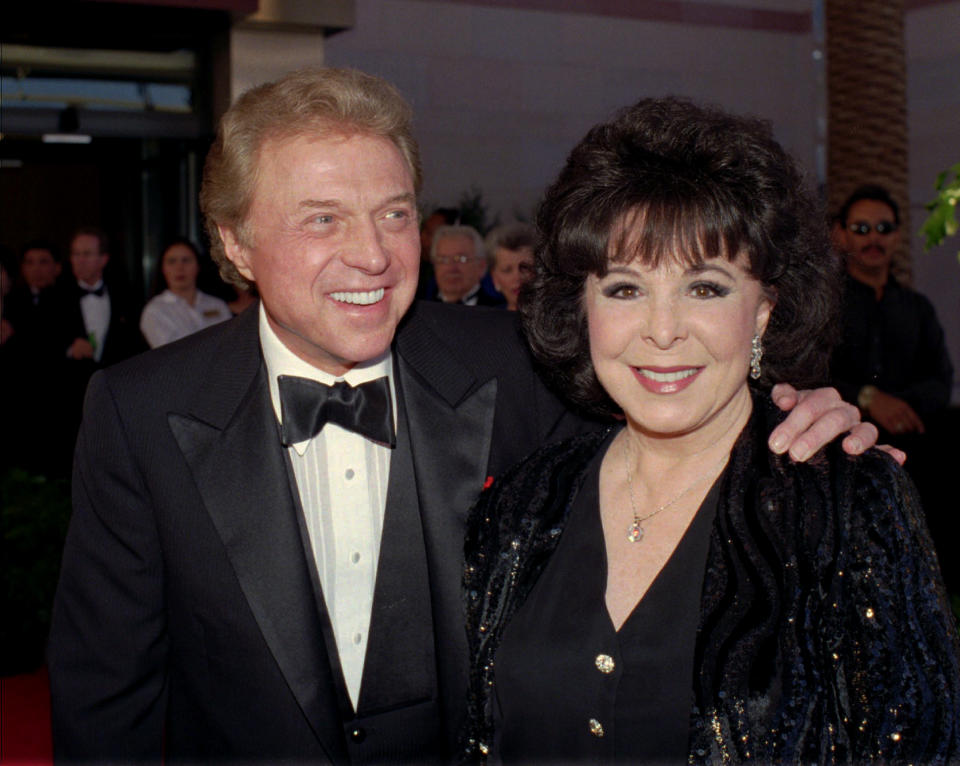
[(635, 532)]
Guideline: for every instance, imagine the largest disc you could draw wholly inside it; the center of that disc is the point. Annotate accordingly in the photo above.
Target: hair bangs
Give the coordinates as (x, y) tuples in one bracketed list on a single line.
[(685, 230)]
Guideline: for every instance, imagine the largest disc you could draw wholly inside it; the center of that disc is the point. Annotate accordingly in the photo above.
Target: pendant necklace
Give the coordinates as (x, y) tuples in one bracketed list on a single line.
[(635, 532)]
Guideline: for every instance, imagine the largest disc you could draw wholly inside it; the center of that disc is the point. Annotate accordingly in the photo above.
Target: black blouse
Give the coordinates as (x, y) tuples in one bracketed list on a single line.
[(824, 636), (569, 687)]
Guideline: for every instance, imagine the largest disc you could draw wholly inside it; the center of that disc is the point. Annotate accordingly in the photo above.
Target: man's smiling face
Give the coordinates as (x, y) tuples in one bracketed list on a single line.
[(333, 245)]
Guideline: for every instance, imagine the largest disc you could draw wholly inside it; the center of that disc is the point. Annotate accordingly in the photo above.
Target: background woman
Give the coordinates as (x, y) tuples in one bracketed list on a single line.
[(670, 589), (181, 309), (510, 257)]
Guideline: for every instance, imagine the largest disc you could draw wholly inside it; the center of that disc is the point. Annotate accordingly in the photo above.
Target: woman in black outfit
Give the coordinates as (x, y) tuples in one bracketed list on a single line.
[(669, 589)]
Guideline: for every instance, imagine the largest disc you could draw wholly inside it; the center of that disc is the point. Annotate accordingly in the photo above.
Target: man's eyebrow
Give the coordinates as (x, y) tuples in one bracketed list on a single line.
[(312, 204), (404, 197), (319, 203)]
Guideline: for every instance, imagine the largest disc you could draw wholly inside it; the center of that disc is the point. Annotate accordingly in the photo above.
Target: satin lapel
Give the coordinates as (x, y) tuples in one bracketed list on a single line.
[(242, 478), (450, 416), (400, 663)]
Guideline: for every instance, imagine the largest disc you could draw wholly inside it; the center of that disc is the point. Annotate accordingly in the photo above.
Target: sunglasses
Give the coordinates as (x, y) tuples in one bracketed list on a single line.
[(882, 228)]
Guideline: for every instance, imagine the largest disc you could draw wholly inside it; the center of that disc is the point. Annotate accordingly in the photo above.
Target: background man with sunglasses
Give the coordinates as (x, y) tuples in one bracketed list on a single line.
[(892, 361)]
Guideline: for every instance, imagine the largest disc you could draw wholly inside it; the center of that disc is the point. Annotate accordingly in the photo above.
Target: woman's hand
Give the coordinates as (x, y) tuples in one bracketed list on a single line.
[(816, 418)]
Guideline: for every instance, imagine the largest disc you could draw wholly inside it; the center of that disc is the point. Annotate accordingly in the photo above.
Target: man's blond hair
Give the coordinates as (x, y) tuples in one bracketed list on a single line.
[(315, 102)]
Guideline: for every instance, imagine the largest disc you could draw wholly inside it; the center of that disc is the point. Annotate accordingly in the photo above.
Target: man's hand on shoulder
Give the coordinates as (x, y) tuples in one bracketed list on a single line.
[(816, 418)]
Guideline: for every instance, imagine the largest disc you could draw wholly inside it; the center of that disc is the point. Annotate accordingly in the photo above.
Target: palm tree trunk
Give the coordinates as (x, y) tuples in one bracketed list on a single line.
[(867, 106)]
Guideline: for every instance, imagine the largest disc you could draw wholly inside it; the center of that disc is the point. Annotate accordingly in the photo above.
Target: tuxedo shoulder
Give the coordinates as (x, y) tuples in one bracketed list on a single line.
[(454, 317), (475, 334), (228, 348)]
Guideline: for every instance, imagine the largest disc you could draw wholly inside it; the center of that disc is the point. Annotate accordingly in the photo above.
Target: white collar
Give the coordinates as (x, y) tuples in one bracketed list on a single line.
[(280, 360)]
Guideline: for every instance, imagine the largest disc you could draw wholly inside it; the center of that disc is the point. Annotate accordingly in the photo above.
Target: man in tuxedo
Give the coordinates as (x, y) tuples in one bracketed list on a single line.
[(104, 329), (33, 365), (264, 559), (98, 325)]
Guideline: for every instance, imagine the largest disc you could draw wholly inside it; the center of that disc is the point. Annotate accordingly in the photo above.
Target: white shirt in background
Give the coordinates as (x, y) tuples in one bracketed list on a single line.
[(168, 317)]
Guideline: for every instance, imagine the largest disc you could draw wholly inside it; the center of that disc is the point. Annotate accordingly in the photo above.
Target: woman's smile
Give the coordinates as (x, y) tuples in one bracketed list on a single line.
[(666, 380)]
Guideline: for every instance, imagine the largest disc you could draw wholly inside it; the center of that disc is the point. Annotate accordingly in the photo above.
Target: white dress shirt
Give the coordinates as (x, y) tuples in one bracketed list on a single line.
[(168, 317), (342, 480), (96, 316)]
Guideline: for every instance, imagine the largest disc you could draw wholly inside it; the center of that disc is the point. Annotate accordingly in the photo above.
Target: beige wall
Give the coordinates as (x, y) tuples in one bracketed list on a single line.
[(502, 94)]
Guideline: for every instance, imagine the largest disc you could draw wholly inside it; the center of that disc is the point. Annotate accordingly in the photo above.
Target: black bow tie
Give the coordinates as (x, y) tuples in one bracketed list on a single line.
[(87, 291), (307, 406)]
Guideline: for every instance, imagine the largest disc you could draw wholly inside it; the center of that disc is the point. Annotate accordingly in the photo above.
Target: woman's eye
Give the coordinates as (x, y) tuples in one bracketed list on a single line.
[(708, 290), (622, 291), (323, 219)]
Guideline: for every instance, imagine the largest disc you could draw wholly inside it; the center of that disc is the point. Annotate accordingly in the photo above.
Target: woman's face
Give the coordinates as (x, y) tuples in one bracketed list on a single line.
[(180, 268), (671, 345), (511, 269)]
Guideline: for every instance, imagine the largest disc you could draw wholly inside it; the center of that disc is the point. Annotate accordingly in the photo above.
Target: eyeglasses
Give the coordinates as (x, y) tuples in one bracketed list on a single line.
[(882, 228), (445, 260)]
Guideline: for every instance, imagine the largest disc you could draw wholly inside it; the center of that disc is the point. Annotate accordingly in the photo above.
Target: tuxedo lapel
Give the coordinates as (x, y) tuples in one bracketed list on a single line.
[(238, 466), (450, 414), (399, 667)]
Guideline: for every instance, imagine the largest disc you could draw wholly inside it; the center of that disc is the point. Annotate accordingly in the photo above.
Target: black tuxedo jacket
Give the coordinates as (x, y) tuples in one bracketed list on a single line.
[(123, 338), (187, 616), (36, 376)]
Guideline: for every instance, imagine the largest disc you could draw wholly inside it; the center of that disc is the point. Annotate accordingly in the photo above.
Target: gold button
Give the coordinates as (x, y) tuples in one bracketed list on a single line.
[(604, 663), (596, 728)]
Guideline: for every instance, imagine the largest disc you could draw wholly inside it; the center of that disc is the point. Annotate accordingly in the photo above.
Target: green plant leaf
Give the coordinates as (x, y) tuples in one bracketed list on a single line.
[(941, 222)]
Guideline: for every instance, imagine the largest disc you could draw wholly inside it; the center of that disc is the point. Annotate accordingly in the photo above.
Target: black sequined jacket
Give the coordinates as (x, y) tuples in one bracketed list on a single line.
[(824, 636)]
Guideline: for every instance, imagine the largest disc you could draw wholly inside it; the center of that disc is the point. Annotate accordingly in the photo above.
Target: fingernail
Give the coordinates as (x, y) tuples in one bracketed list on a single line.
[(779, 444), (856, 444), (800, 453)]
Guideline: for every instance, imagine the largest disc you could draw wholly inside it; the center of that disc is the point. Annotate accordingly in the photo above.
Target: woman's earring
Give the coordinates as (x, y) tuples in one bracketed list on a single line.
[(756, 354)]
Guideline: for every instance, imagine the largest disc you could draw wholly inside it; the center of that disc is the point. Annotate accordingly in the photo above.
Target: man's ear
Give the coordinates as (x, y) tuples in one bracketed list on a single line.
[(235, 250)]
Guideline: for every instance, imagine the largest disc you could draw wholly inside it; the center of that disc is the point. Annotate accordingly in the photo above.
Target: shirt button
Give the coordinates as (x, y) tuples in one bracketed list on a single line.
[(349, 473), (356, 638), (604, 663), (596, 728), (358, 734), (355, 557)]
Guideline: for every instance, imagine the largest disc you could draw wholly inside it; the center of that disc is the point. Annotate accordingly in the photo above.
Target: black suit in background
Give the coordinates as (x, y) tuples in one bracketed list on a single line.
[(122, 340), (34, 368), (187, 607)]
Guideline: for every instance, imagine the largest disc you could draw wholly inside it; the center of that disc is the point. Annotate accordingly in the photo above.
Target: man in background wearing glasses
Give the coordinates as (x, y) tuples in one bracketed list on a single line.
[(459, 263), (892, 361)]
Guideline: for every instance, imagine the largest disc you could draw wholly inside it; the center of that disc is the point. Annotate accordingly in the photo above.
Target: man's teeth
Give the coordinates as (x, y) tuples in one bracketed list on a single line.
[(359, 299), (668, 377)]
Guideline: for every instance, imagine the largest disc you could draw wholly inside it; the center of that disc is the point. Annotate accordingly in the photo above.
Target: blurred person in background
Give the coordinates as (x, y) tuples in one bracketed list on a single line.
[(459, 263), (510, 256), (180, 309)]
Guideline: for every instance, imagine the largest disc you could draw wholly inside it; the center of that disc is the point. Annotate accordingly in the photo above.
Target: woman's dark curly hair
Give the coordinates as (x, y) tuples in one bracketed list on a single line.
[(681, 182)]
